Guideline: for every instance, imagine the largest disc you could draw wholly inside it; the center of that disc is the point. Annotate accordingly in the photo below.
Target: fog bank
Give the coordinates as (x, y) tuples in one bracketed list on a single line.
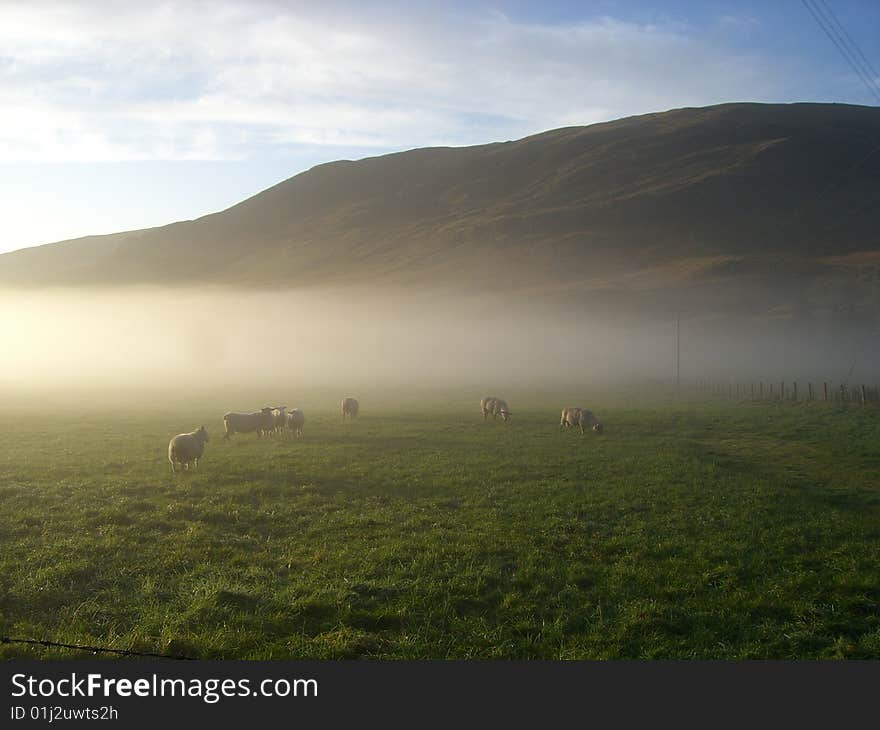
[(200, 338)]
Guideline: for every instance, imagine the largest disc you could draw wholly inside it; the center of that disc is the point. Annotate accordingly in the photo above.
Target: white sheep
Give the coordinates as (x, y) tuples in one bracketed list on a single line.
[(495, 406), (296, 419), (263, 422), (187, 448), (572, 417), (279, 415)]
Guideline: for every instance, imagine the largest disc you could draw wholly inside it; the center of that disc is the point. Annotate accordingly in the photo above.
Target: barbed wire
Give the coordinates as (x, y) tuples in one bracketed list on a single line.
[(93, 649)]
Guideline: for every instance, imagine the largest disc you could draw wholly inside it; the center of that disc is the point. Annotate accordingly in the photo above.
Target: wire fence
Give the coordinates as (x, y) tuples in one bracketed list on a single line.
[(782, 391), (92, 649)]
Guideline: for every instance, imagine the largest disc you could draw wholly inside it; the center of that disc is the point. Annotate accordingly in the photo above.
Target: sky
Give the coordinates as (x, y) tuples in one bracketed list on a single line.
[(123, 115)]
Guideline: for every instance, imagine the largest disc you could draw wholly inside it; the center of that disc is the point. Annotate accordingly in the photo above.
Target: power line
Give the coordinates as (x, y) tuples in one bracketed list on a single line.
[(830, 25), (875, 145), (866, 64), (851, 56), (852, 53)]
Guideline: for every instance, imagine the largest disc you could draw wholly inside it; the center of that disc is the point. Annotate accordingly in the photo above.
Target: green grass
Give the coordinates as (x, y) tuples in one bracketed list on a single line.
[(685, 531)]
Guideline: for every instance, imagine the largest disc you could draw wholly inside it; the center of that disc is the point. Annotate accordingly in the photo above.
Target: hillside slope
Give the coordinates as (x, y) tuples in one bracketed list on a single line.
[(729, 195)]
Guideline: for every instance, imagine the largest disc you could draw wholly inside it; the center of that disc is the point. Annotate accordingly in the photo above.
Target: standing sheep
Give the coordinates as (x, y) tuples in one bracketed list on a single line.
[(279, 418), (187, 448), (262, 421), (350, 408), (295, 421)]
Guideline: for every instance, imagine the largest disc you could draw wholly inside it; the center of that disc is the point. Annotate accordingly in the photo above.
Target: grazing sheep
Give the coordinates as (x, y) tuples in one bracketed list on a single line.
[(501, 409), (187, 448), (495, 406), (261, 421), (350, 408), (295, 421), (572, 417)]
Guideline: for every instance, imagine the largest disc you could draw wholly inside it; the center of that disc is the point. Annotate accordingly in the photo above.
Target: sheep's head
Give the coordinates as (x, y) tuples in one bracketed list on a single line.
[(598, 427), (203, 433)]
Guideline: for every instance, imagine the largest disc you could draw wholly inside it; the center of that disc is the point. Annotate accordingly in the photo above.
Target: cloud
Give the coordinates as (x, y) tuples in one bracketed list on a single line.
[(228, 80), (740, 22)]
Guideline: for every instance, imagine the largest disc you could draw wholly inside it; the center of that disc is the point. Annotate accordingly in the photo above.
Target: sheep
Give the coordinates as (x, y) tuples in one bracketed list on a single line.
[(295, 421), (187, 448), (350, 408), (279, 418), (501, 409), (572, 417), (495, 406), (261, 421)]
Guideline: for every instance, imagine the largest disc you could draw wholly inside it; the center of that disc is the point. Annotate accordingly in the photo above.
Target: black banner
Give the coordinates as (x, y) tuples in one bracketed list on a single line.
[(131, 693)]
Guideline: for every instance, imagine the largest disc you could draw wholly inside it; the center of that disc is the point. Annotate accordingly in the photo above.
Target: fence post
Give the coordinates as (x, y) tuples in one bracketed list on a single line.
[(761, 390), (825, 386), (863, 395), (809, 391), (794, 395), (782, 390)]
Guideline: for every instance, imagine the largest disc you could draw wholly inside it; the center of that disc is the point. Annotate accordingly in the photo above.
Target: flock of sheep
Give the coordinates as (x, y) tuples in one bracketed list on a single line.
[(187, 448), (266, 421)]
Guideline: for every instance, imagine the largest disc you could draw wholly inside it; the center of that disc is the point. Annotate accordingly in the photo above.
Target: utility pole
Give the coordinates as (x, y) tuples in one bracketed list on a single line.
[(677, 350)]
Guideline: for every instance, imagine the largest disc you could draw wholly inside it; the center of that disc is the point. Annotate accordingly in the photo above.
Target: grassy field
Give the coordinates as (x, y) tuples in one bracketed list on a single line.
[(715, 530)]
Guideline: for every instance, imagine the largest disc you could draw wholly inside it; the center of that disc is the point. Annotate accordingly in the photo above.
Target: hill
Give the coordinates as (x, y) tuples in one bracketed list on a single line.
[(773, 206)]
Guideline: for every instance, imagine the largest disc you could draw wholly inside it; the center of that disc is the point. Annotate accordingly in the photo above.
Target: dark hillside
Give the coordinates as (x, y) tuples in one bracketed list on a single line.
[(783, 200)]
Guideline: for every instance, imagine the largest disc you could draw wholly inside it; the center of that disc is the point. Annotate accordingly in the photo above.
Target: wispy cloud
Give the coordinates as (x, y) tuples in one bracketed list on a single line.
[(177, 81)]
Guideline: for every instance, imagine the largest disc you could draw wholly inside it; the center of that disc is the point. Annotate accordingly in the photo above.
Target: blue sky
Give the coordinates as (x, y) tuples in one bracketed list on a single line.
[(121, 115)]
